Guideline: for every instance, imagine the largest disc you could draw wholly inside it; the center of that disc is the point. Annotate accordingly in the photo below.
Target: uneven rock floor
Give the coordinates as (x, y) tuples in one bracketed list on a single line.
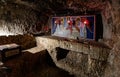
[(34, 65)]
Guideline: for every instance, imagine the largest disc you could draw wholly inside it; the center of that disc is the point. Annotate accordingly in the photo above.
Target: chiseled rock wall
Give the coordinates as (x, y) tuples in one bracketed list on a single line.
[(81, 59), (111, 19), (20, 18), (16, 19)]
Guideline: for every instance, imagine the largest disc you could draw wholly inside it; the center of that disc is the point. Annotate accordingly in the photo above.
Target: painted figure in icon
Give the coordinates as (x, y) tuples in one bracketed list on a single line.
[(80, 26), (89, 26), (70, 24), (73, 27), (59, 30)]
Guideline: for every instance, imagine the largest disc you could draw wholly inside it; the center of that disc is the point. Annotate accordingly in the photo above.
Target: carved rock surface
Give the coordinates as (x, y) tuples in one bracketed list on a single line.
[(81, 59)]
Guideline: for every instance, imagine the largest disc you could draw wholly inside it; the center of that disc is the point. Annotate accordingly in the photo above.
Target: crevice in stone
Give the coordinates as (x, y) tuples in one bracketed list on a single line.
[(61, 53)]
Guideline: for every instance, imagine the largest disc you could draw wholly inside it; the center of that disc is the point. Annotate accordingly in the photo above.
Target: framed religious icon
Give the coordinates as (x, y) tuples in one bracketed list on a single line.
[(82, 27)]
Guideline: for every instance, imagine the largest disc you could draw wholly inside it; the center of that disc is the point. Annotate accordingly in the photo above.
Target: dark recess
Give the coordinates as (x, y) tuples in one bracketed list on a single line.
[(99, 27), (61, 53)]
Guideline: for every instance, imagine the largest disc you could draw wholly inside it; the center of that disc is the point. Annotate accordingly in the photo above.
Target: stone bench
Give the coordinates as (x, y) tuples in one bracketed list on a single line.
[(82, 58)]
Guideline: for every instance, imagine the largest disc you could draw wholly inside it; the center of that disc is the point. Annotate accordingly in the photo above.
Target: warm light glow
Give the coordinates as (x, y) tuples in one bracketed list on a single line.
[(10, 29), (3, 33), (86, 22), (68, 21), (55, 22)]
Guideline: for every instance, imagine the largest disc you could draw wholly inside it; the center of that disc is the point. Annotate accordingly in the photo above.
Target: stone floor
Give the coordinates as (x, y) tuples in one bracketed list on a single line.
[(48, 71), (34, 65)]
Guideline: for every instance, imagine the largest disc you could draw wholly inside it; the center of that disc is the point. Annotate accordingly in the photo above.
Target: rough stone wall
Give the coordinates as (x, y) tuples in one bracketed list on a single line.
[(20, 18), (80, 59), (111, 18), (25, 41)]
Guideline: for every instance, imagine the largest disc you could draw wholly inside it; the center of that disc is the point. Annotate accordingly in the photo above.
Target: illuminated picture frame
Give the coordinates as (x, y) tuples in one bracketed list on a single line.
[(82, 27)]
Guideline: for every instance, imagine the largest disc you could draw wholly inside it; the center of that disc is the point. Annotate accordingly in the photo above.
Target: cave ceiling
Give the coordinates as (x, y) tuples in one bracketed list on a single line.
[(57, 7)]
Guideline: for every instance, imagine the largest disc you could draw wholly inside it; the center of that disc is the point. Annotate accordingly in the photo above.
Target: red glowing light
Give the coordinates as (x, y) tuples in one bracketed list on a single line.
[(68, 21), (86, 22), (55, 22)]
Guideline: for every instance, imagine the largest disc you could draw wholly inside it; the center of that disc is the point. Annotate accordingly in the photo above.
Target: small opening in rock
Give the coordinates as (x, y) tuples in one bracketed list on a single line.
[(61, 53)]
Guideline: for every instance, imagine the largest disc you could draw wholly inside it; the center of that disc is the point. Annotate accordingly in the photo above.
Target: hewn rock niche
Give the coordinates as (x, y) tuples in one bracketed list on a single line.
[(85, 59)]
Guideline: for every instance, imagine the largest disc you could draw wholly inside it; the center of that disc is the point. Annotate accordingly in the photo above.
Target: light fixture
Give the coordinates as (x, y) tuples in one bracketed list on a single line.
[(68, 21), (86, 22)]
